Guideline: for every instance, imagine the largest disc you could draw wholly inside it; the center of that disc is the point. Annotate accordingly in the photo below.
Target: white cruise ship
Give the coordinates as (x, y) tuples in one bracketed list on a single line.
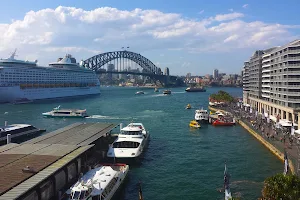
[(26, 81)]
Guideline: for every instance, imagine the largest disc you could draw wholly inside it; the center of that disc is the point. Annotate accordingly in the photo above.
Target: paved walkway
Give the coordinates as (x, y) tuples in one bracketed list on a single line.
[(280, 137)]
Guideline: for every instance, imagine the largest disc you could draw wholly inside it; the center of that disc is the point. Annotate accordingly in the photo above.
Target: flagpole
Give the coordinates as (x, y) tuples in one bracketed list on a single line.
[(140, 191)]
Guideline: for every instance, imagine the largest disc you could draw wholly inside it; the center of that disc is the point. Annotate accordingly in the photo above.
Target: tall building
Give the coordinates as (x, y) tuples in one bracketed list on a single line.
[(188, 75), (246, 82), (271, 81), (110, 67), (167, 71), (215, 73)]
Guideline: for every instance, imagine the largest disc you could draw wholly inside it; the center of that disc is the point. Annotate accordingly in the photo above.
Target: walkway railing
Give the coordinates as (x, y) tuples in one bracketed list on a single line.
[(280, 138)]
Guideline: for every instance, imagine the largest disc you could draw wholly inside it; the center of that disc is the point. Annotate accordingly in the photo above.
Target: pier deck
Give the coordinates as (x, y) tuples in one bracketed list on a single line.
[(45, 155)]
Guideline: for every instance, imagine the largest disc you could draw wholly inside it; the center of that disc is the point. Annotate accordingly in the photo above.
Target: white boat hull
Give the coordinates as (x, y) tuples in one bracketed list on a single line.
[(128, 153), (13, 93)]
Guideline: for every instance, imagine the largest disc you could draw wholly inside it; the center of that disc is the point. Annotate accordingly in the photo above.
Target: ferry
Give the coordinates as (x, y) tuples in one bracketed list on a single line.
[(130, 143), (139, 92), (26, 81), (156, 90), (201, 115), (167, 92), (194, 124), (57, 112), (18, 132), (100, 183), (195, 89)]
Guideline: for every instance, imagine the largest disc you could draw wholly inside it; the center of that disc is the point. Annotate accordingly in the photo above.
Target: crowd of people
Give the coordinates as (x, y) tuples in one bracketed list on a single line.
[(282, 137)]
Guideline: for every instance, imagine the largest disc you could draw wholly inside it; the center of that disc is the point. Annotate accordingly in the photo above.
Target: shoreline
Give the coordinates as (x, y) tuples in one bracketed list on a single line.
[(264, 142)]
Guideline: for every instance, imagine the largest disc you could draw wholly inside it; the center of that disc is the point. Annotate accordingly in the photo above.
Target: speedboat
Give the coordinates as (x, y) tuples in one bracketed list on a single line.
[(201, 115), (194, 124), (57, 112), (139, 92), (130, 142), (167, 92), (156, 90), (99, 183), (188, 106)]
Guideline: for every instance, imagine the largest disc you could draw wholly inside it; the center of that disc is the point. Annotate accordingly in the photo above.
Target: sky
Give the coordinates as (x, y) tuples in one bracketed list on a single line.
[(193, 36)]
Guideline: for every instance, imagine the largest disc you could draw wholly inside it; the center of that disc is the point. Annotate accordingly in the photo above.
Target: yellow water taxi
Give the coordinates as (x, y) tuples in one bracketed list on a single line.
[(188, 106), (194, 124)]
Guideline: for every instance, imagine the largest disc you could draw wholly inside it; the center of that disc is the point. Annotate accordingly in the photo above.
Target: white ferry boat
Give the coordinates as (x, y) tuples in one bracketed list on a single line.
[(100, 183), (17, 132), (201, 115), (27, 81), (130, 142), (57, 112)]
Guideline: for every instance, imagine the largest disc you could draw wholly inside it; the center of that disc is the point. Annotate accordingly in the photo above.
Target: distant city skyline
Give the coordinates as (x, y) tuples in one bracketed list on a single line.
[(195, 39)]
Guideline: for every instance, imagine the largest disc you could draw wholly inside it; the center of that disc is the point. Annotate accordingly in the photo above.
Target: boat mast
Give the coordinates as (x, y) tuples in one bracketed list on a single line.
[(226, 184)]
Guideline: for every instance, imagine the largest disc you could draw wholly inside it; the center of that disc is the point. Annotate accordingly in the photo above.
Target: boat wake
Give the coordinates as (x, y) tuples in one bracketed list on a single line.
[(107, 117), (5, 113), (178, 92)]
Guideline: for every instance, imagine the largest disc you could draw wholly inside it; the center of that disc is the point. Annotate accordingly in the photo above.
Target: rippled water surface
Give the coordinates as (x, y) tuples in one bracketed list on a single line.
[(180, 163)]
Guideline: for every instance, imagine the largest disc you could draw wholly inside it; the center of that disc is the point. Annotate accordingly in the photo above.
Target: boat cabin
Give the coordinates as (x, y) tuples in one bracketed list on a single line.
[(132, 130), (82, 194), (15, 129), (126, 144)]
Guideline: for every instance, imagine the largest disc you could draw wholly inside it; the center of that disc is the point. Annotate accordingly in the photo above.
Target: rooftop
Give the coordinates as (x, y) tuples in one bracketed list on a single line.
[(44, 155)]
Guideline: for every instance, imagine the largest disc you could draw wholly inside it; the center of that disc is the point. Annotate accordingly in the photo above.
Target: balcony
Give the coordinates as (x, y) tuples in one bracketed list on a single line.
[(265, 86), (265, 70), (265, 75)]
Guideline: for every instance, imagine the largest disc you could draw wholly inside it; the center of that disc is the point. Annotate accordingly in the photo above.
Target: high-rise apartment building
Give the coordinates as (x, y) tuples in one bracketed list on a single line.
[(215, 73), (271, 81)]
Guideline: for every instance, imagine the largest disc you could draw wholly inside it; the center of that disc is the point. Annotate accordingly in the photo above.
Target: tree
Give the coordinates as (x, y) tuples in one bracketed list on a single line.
[(279, 186)]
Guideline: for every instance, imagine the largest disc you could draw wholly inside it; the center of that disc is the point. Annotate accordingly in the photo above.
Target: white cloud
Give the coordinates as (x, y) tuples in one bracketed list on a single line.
[(245, 5), (231, 10), (201, 12), (229, 16), (231, 38), (49, 33), (185, 64)]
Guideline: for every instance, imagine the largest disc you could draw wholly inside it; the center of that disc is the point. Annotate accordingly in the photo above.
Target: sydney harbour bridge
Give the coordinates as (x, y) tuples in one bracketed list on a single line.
[(130, 63)]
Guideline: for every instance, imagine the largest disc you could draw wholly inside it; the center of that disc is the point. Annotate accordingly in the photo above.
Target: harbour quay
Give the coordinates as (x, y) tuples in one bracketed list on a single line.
[(45, 167)]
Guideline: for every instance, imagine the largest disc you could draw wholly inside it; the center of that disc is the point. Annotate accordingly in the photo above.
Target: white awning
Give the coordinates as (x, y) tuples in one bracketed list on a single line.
[(285, 122)]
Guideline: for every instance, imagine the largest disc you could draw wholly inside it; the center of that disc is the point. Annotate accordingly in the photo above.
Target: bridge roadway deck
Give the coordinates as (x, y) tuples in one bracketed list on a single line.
[(45, 155)]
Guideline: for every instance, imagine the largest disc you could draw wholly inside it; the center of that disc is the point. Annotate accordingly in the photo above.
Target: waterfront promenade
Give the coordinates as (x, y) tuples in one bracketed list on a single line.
[(276, 139)]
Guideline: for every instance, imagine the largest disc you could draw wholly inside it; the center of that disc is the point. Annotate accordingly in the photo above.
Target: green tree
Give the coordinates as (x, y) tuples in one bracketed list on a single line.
[(279, 186)]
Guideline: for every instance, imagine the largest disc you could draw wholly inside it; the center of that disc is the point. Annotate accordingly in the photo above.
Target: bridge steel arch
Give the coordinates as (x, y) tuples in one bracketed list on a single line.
[(96, 62)]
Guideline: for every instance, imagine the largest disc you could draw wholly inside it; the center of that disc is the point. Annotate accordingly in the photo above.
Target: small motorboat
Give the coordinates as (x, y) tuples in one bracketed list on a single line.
[(156, 90), (194, 124), (139, 92), (167, 92), (188, 106), (223, 123)]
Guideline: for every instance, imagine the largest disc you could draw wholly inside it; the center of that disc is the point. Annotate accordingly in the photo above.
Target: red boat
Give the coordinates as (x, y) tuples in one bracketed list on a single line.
[(223, 123)]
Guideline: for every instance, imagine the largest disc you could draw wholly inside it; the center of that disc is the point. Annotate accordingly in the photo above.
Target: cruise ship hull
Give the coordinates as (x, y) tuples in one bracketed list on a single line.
[(15, 93)]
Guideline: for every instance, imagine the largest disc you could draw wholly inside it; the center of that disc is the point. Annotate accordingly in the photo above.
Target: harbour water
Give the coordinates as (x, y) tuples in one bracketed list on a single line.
[(180, 163)]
